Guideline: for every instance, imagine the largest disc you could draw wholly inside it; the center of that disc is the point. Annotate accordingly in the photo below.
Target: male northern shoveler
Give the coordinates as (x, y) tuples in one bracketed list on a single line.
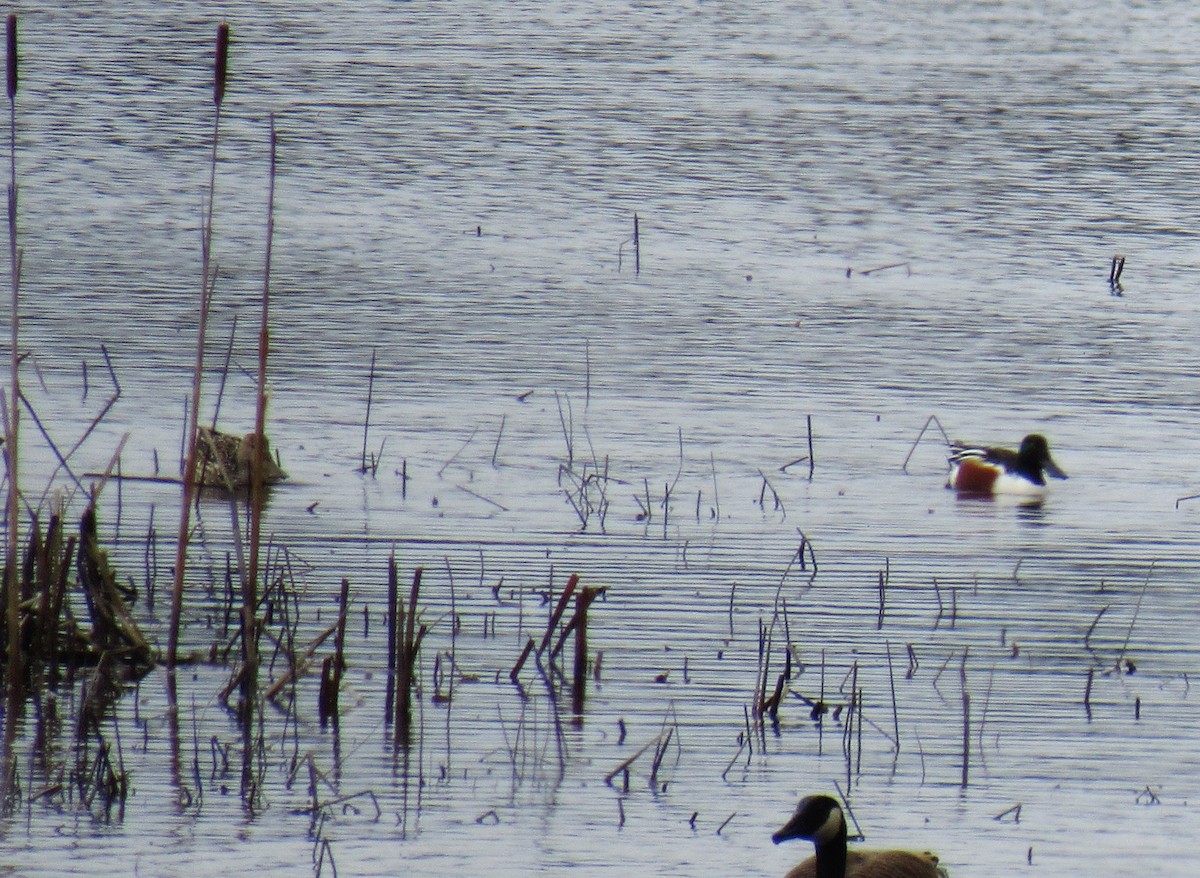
[(979, 470)]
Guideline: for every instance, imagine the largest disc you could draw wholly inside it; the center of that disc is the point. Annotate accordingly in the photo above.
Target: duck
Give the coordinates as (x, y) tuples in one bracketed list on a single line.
[(224, 460), (977, 469), (819, 819)]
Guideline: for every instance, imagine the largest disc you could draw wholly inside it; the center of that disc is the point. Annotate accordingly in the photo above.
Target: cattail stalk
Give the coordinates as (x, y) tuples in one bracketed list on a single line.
[(12, 569), (206, 281)]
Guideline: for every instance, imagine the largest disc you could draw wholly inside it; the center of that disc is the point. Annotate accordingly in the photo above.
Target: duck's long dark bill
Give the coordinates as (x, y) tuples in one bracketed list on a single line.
[(1052, 468)]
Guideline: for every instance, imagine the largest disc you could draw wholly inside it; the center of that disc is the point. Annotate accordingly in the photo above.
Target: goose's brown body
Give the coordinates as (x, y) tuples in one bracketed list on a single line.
[(876, 864), (820, 820)]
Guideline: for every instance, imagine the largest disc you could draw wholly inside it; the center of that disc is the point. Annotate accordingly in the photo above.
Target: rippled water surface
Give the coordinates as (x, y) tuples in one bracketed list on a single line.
[(860, 212)]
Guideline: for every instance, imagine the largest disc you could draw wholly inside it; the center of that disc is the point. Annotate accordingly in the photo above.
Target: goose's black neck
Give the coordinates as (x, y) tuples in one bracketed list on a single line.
[(831, 854)]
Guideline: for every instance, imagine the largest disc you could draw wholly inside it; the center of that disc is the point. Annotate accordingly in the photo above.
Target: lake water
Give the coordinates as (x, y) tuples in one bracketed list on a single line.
[(860, 212)]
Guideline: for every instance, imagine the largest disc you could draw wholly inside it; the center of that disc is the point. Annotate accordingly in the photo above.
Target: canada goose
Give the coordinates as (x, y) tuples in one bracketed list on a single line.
[(820, 820), (223, 461), (977, 469)]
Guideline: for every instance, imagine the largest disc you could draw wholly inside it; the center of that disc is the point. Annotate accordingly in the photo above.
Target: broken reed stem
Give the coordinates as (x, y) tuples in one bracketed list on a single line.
[(1114, 271), (780, 682), (392, 637), (332, 667), (408, 644), (583, 600), (193, 420), (12, 566), (660, 751), (608, 778), (258, 460), (637, 247), (367, 420), (552, 623), (516, 671)]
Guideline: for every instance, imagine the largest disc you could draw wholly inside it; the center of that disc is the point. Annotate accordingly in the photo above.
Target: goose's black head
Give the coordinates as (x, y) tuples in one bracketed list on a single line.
[(818, 819)]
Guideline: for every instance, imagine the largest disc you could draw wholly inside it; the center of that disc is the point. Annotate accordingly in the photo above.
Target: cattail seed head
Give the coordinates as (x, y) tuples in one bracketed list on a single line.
[(222, 62), (12, 55)]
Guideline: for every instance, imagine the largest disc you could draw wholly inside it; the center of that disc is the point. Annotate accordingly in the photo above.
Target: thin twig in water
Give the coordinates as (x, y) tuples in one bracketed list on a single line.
[(1136, 610), (367, 418), (461, 449), (499, 434), (932, 419)]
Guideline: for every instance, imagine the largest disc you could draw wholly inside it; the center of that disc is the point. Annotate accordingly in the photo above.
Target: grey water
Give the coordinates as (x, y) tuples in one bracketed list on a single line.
[(861, 213)]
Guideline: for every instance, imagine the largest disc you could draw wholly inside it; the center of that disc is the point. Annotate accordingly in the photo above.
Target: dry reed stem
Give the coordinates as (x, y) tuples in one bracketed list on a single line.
[(258, 457)]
